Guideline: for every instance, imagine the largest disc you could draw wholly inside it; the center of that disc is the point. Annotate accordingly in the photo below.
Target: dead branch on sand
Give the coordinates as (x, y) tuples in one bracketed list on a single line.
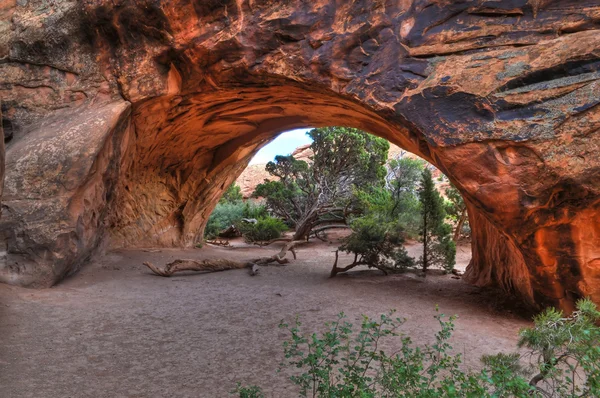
[(219, 242), (357, 261), (220, 264)]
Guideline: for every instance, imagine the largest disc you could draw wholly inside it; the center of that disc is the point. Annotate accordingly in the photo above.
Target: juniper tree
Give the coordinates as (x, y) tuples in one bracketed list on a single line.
[(320, 191), (438, 247)]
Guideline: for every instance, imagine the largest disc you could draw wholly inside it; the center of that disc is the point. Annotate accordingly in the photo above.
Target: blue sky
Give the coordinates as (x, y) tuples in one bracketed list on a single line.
[(284, 144)]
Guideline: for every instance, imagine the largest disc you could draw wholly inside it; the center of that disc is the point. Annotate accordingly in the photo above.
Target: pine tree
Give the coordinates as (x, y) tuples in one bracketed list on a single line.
[(438, 247)]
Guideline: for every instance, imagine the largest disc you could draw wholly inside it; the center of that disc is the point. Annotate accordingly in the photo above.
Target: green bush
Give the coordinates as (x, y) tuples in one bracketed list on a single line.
[(377, 243), (255, 210), (266, 228), (229, 213), (405, 208), (248, 392), (223, 216), (339, 362)]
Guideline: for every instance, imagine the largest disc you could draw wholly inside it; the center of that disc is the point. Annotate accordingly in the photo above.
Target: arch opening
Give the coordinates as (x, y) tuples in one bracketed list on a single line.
[(188, 149), (388, 198)]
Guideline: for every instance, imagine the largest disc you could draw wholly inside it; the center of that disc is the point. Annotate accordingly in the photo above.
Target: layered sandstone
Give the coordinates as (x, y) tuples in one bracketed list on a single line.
[(129, 118)]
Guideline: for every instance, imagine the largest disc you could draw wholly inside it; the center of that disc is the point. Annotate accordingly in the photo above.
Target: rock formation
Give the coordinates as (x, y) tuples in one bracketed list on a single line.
[(129, 118)]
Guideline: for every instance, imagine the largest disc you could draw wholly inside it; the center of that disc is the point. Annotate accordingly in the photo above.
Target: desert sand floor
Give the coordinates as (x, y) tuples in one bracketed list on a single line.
[(116, 330)]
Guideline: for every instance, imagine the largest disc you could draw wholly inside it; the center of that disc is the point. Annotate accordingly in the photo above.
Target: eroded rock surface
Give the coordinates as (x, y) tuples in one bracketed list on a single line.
[(129, 118)]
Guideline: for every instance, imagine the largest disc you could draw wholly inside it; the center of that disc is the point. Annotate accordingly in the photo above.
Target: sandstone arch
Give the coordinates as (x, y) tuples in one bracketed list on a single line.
[(129, 118)]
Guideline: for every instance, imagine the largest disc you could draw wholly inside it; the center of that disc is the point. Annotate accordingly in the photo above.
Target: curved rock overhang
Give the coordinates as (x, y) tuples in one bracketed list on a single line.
[(130, 119)]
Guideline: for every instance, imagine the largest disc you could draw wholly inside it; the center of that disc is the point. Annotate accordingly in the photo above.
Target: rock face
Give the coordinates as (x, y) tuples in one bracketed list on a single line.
[(129, 118), (255, 174)]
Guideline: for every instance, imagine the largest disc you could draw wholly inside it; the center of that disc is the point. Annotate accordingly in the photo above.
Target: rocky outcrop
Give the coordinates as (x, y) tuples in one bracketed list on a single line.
[(151, 108)]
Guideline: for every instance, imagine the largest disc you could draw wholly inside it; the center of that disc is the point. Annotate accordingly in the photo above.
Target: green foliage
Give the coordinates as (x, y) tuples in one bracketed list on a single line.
[(455, 204), (233, 194), (254, 210), (438, 247), (346, 156), (248, 392), (223, 216), (379, 200), (306, 192), (456, 210), (402, 181), (390, 213), (266, 228), (377, 243), (228, 213), (566, 351), (340, 362)]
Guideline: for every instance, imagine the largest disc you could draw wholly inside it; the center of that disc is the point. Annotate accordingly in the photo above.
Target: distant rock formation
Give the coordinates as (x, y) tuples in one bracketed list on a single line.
[(255, 174)]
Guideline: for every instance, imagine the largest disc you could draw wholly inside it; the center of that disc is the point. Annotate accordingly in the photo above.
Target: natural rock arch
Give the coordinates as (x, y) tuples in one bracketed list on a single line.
[(130, 118)]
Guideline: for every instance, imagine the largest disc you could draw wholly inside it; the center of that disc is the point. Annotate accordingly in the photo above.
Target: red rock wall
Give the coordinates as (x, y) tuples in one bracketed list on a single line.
[(496, 260), (130, 118)]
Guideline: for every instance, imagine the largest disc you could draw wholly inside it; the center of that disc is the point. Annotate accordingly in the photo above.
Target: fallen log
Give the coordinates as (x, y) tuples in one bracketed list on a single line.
[(219, 242), (180, 265), (220, 264)]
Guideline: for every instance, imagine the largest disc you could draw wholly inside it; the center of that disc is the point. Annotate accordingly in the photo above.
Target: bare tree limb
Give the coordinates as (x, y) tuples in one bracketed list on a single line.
[(220, 264), (180, 265)]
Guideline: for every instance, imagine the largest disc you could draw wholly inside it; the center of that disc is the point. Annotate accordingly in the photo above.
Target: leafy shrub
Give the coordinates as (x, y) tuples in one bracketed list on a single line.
[(266, 228), (248, 392), (377, 243), (369, 237), (223, 216), (456, 211), (255, 210), (340, 362), (228, 213), (404, 209), (565, 351)]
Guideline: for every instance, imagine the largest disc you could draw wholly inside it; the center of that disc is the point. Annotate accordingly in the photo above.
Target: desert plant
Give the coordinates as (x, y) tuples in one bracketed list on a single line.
[(223, 216), (264, 229), (341, 362), (308, 194), (374, 242), (255, 210), (565, 351), (438, 247), (248, 392), (228, 213)]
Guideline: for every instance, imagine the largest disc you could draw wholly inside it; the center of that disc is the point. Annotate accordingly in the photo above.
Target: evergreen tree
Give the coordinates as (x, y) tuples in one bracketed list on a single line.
[(320, 192), (438, 247)]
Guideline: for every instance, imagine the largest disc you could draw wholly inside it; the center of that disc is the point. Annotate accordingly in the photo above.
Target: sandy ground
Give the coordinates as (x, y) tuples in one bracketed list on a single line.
[(116, 330)]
